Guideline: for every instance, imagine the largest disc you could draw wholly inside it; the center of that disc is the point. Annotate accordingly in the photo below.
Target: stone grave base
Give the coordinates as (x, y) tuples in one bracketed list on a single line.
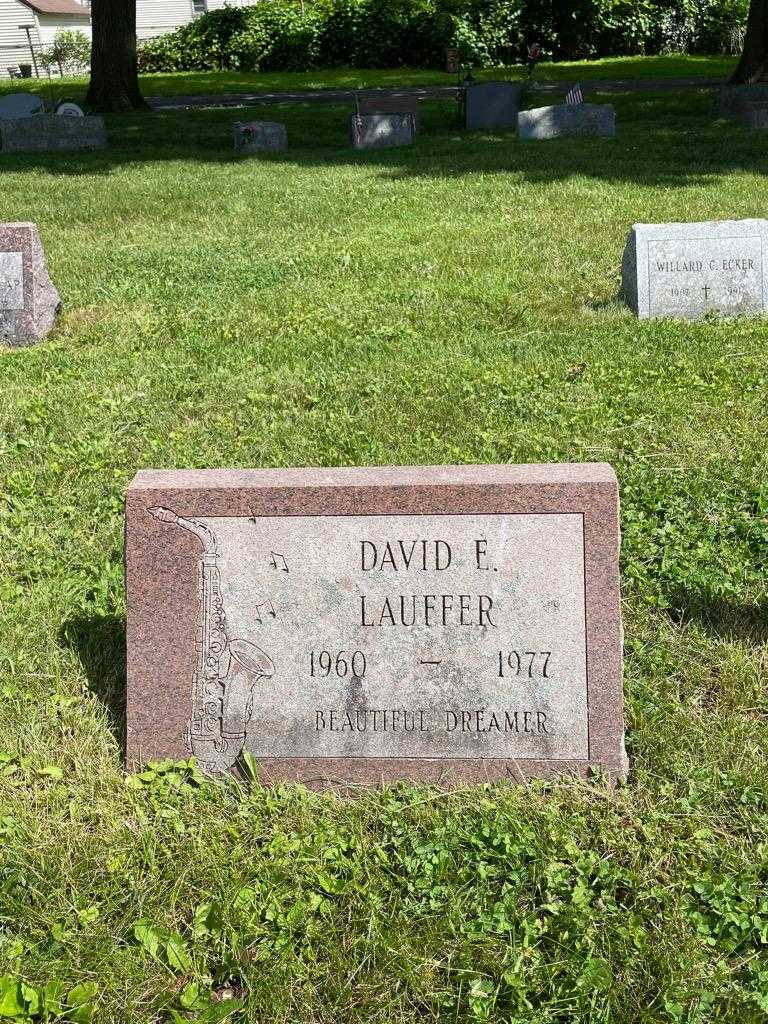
[(566, 119), (45, 133)]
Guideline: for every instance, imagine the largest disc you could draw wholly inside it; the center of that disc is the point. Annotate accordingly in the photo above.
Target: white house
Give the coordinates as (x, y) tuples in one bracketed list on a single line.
[(27, 26), (155, 17)]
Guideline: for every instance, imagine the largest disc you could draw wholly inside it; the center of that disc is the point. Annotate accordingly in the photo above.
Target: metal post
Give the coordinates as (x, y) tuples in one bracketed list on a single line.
[(31, 47)]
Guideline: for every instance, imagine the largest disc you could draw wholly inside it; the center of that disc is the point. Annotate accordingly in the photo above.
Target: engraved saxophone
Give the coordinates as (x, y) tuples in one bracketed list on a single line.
[(226, 670)]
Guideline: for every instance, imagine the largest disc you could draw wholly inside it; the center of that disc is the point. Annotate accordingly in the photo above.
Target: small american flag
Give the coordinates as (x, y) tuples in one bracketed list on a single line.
[(574, 95)]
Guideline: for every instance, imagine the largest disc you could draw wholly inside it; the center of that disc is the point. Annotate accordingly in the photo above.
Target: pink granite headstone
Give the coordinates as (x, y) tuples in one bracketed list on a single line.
[(456, 623)]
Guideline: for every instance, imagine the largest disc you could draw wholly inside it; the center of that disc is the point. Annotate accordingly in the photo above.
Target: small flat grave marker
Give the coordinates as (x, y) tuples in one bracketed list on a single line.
[(260, 137), (364, 625), (689, 270), (29, 302), (45, 133)]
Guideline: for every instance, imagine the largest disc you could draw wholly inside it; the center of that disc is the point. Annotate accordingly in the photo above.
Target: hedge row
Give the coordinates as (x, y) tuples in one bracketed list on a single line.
[(277, 35)]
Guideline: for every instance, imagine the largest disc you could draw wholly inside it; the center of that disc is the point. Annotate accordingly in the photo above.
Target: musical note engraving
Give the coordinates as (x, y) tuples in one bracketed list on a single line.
[(278, 561)]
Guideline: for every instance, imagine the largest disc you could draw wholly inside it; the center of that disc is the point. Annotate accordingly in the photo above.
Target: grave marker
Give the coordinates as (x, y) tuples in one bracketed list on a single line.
[(360, 625), (565, 119), (492, 106), (381, 131), (260, 137), (689, 270), (44, 133), (29, 302)]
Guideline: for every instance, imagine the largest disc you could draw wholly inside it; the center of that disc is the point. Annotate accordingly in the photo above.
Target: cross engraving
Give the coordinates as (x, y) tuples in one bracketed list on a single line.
[(705, 289)]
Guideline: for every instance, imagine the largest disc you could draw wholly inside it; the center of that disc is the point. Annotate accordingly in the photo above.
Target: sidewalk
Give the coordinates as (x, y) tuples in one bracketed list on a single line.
[(589, 86)]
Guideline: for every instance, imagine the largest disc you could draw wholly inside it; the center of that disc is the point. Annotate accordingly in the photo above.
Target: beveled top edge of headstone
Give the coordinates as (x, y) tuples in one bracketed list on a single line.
[(14, 225), (571, 107), (495, 81), (593, 473), (704, 227)]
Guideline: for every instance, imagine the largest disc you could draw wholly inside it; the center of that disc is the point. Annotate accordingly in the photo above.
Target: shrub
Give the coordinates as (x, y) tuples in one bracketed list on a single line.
[(70, 52), (276, 35)]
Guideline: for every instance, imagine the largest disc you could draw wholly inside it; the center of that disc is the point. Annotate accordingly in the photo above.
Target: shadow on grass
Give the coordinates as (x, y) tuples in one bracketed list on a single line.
[(99, 642), (666, 140), (721, 618)]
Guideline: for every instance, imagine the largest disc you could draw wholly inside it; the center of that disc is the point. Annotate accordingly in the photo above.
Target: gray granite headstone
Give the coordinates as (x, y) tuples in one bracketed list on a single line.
[(689, 270), (381, 131), (566, 119), (29, 302), (490, 106), (260, 137), (20, 104), (47, 132)]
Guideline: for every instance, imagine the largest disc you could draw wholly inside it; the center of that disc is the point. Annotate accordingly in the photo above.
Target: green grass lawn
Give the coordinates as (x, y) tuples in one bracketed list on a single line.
[(217, 82), (454, 302)]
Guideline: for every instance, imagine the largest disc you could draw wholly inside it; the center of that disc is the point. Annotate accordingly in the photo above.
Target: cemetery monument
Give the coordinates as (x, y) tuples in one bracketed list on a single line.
[(260, 137), (566, 119), (689, 270), (367, 625), (381, 131)]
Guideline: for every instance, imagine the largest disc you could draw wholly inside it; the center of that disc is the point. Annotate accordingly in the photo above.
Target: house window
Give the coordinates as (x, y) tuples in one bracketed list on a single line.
[(199, 7)]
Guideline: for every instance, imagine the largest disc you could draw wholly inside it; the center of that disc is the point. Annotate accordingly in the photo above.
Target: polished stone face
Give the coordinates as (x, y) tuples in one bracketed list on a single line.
[(365, 625), (689, 270), (11, 280), (411, 636)]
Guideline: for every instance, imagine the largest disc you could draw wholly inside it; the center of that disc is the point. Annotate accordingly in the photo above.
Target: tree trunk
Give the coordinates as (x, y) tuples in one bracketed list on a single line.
[(753, 66), (114, 76)]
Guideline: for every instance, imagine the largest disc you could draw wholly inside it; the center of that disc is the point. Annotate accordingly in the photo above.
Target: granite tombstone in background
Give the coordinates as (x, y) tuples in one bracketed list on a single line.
[(260, 137), (368, 625), (689, 270), (50, 132), (29, 302), (492, 106), (381, 131), (566, 119)]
